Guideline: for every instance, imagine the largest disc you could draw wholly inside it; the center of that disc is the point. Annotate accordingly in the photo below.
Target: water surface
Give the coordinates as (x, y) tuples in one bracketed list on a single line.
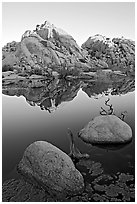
[(30, 115)]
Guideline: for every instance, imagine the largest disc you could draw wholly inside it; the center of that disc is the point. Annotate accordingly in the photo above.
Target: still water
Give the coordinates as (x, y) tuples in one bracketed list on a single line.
[(26, 120)]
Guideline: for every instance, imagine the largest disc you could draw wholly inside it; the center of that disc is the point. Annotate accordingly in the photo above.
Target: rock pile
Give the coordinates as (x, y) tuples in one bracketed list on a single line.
[(43, 47), (118, 53), (50, 47)]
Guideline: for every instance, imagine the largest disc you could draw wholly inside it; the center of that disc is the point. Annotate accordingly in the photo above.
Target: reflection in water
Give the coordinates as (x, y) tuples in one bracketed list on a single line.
[(58, 91), (117, 87), (28, 125), (75, 154), (113, 147), (48, 98)]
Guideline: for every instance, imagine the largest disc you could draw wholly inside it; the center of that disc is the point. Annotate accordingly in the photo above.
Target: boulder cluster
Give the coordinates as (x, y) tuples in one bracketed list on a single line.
[(118, 53), (48, 47), (44, 47)]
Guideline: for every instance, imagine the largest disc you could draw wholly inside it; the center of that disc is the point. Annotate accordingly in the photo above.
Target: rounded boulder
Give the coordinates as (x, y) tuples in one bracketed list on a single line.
[(52, 169), (108, 129)]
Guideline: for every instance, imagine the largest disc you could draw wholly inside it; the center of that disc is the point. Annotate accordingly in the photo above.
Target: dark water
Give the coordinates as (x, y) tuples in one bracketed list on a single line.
[(46, 114)]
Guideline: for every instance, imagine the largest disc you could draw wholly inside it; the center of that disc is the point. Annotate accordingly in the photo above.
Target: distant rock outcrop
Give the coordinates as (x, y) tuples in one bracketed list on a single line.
[(108, 129), (43, 47), (47, 165), (118, 53), (50, 47)]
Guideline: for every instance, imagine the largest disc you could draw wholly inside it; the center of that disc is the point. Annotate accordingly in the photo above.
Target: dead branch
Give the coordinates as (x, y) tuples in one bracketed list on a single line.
[(103, 112), (75, 154), (123, 115), (110, 111)]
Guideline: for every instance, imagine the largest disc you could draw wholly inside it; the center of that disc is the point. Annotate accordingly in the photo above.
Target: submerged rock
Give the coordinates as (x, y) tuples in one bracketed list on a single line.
[(100, 187), (107, 187), (52, 169), (106, 129), (18, 190)]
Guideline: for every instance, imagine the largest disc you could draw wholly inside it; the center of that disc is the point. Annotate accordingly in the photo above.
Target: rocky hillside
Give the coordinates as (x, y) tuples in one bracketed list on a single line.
[(49, 48), (41, 48), (118, 53)]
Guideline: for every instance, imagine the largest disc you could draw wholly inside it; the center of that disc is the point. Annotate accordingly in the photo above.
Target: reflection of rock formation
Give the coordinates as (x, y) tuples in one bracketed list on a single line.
[(48, 98), (52, 94), (97, 88), (48, 104), (124, 86)]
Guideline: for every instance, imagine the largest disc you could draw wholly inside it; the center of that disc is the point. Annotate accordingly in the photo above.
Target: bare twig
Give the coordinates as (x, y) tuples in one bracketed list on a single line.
[(71, 142), (110, 111), (123, 115), (103, 110), (74, 151), (107, 102)]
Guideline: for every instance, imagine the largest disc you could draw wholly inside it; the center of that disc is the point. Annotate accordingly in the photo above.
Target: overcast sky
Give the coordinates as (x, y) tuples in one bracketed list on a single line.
[(79, 19)]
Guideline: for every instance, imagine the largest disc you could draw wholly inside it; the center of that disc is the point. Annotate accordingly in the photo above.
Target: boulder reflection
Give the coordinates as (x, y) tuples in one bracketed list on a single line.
[(50, 96)]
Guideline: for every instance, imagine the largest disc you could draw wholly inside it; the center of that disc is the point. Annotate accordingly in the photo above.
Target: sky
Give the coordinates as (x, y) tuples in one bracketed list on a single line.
[(79, 19)]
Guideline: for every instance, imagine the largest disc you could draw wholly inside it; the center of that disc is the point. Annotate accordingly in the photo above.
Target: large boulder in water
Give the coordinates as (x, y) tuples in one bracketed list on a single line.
[(108, 129), (52, 169)]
